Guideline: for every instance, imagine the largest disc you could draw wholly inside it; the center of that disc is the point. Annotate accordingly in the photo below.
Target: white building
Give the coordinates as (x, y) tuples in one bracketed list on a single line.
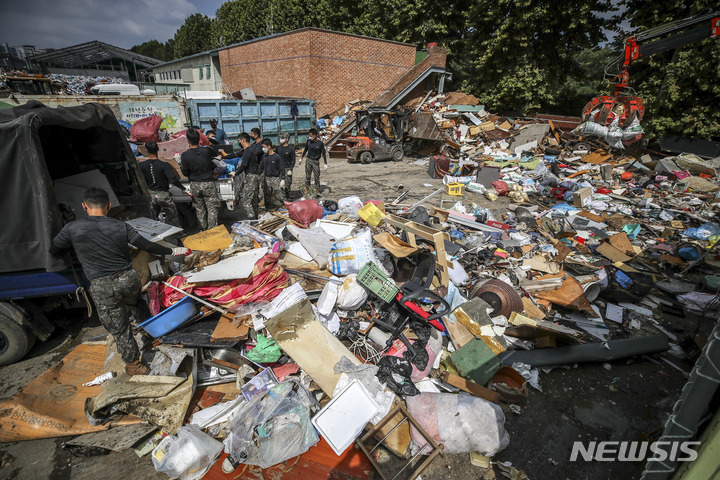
[(197, 72)]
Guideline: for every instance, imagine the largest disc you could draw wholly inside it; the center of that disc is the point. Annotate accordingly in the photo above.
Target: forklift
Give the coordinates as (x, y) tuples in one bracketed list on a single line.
[(380, 135)]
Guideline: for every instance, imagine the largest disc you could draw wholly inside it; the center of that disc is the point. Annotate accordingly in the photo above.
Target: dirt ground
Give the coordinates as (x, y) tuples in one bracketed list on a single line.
[(622, 400)]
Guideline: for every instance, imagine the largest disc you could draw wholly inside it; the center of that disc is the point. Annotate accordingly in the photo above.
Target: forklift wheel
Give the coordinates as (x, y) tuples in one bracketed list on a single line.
[(397, 154), (366, 157)]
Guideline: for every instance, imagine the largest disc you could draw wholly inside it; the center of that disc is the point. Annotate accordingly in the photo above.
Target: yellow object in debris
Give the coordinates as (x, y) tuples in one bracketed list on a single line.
[(371, 214), (454, 188)]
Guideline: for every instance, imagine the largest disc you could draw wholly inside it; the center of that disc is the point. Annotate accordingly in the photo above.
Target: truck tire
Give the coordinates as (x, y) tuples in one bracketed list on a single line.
[(365, 157), (15, 340), (397, 153)]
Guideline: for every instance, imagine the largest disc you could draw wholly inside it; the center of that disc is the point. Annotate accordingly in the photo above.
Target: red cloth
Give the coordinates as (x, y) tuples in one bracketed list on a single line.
[(501, 187), (266, 282), (203, 139)]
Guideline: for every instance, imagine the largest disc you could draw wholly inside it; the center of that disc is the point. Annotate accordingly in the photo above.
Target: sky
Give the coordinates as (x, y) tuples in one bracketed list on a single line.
[(123, 23)]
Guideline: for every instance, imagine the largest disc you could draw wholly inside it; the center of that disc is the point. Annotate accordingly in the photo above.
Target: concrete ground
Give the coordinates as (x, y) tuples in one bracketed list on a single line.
[(628, 400)]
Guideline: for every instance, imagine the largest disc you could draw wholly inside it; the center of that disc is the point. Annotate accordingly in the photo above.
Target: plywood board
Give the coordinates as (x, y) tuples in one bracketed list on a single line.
[(612, 253)]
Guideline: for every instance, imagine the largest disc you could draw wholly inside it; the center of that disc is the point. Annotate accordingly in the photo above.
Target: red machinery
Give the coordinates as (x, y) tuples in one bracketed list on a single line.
[(624, 103)]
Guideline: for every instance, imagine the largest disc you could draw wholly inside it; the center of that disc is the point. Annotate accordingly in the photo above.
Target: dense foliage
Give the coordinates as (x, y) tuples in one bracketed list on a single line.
[(521, 56)]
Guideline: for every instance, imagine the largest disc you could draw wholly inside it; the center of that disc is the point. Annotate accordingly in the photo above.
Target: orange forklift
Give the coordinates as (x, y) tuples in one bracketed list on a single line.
[(380, 135)]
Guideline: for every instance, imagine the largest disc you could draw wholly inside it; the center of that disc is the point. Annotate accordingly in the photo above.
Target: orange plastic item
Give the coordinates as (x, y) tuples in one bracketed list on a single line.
[(626, 176)]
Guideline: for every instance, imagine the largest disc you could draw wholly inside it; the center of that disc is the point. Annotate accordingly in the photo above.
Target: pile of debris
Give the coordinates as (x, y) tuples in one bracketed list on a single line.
[(370, 321), (79, 84)]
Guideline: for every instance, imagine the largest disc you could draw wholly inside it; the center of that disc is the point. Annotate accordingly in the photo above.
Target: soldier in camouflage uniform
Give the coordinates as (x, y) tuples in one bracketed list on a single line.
[(101, 245), (250, 165), (206, 202), (197, 164), (314, 148), (158, 177), (287, 152), (273, 168)]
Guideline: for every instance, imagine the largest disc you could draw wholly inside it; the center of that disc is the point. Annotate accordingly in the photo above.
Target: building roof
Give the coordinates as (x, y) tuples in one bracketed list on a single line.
[(89, 53), (169, 62), (268, 37), (275, 35)]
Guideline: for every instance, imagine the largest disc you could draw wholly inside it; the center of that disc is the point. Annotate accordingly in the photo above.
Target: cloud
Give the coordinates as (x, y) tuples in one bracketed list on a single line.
[(61, 23)]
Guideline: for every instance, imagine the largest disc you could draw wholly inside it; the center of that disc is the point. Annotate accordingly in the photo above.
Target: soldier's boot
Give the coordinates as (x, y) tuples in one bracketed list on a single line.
[(136, 368)]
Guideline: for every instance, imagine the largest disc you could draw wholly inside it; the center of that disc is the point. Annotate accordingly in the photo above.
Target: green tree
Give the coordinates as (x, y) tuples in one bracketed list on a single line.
[(154, 49), (679, 88), (194, 36), (240, 20), (518, 54)]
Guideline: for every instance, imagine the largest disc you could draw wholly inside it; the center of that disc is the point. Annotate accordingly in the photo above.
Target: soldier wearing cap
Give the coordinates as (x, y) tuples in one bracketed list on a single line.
[(220, 134)]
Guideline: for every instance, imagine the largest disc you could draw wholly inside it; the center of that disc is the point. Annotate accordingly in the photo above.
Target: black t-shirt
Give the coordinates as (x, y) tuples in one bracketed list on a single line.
[(197, 164), (273, 165), (315, 149), (251, 160), (101, 244), (158, 174), (288, 155)]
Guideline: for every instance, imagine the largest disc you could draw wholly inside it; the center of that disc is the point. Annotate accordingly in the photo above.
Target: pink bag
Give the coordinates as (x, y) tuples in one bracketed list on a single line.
[(145, 129)]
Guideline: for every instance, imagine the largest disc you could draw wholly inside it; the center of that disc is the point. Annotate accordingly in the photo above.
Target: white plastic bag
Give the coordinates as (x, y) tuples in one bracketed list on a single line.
[(462, 423), (350, 206), (351, 295), (350, 254), (187, 456)]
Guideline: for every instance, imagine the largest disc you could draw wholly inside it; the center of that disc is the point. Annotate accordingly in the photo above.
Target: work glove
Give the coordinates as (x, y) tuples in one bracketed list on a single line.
[(289, 172), (188, 191), (282, 184), (326, 166), (300, 162), (181, 251), (232, 174)]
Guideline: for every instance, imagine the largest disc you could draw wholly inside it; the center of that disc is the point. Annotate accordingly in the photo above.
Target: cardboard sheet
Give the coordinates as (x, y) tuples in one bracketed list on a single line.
[(622, 243), (217, 238), (239, 265), (394, 245), (53, 405), (309, 344), (611, 253)]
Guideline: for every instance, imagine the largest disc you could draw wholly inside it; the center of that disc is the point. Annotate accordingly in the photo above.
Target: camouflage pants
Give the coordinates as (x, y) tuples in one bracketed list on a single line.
[(312, 169), (163, 201), (288, 183), (206, 202), (114, 295), (272, 191), (250, 195)]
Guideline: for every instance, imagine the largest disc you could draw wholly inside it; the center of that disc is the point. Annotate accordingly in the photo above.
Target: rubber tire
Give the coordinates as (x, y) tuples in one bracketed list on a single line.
[(19, 340), (397, 154), (365, 157)]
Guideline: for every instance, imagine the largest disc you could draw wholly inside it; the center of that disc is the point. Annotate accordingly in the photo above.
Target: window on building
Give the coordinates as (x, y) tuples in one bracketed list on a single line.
[(200, 72), (207, 71)]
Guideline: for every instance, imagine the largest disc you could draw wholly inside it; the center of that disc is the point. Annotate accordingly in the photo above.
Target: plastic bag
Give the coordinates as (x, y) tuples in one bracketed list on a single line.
[(273, 427), (352, 253), (145, 129), (187, 455), (703, 232), (304, 212), (351, 295), (500, 187), (462, 423), (350, 206)]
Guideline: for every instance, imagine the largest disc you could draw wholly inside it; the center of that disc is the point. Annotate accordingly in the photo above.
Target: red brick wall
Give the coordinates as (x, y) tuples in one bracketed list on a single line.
[(330, 68)]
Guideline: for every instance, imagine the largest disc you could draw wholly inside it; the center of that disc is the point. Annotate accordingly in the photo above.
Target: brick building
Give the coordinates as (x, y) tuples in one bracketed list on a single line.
[(329, 67)]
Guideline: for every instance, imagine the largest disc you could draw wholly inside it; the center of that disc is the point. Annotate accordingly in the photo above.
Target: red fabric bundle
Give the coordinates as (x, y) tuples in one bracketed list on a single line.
[(268, 279), (304, 212)]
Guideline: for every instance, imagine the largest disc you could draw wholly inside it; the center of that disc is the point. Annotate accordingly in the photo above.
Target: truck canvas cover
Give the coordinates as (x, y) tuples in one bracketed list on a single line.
[(38, 145)]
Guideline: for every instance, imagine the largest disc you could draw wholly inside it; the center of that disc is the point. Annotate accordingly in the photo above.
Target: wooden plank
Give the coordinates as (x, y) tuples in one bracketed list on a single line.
[(468, 386)]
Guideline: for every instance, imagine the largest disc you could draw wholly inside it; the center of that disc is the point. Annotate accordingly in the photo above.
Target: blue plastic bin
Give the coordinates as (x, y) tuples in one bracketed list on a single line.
[(171, 318)]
